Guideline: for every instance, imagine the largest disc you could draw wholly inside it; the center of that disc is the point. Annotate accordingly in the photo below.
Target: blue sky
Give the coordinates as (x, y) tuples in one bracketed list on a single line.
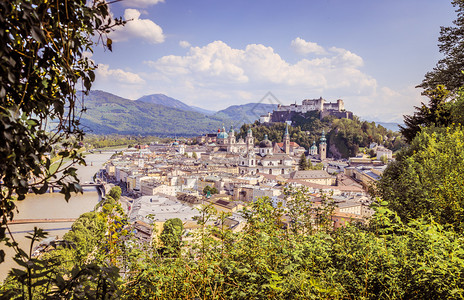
[(215, 53)]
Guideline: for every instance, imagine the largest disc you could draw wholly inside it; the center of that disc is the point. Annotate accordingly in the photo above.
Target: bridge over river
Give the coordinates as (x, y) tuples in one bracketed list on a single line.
[(101, 188), (30, 221)]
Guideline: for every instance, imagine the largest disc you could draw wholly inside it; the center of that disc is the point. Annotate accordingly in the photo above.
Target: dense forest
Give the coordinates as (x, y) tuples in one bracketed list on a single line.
[(412, 248), (344, 136)]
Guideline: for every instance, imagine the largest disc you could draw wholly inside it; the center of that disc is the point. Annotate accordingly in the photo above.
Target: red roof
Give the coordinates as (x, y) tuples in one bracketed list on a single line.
[(292, 144)]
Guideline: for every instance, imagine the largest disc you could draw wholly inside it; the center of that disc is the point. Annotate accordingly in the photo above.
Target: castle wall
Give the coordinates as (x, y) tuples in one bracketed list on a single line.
[(337, 114), (282, 116), (286, 112)]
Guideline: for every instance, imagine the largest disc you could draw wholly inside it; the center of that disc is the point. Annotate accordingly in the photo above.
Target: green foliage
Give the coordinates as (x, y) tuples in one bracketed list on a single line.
[(303, 162), (86, 234), (437, 113), (448, 71), (58, 275), (42, 61), (171, 236), (457, 107), (41, 50), (211, 190), (384, 159), (318, 166), (385, 260), (426, 178), (109, 114), (345, 136), (102, 141), (115, 193)]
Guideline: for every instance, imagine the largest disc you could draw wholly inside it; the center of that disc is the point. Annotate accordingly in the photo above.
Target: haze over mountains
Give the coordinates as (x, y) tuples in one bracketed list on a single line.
[(159, 114), (162, 115)]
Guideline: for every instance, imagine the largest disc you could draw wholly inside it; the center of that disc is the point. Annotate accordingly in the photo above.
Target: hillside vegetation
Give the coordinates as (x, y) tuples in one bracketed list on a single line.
[(344, 136), (107, 113)]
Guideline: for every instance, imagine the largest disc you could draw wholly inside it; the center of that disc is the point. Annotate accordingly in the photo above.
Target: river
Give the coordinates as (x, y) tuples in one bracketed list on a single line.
[(51, 206)]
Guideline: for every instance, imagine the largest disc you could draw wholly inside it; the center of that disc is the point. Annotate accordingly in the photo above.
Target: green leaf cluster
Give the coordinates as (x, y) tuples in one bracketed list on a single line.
[(426, 178), (345, 136)]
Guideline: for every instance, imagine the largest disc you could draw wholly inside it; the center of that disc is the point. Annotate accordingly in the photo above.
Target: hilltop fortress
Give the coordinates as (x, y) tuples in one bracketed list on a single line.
[(286, 112)]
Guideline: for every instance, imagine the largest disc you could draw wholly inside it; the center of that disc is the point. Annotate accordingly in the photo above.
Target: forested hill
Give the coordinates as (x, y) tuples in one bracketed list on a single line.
[(160, 115), (107, 113), (246, 113), (344, 136)]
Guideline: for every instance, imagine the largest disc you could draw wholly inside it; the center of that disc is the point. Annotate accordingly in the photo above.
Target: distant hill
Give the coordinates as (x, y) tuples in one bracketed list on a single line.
[(203, 111), (245, 113), (161, 115), (174, 103), (166, 101), (107, 113)]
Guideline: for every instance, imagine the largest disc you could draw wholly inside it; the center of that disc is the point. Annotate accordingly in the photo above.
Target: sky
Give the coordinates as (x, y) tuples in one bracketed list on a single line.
[(213, 53)]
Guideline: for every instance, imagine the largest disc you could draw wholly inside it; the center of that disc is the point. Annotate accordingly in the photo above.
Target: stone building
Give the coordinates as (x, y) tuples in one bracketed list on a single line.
[(285, 113)]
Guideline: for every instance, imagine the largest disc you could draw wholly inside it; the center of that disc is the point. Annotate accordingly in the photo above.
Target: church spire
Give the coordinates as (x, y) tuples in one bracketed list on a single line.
[(286, 140)]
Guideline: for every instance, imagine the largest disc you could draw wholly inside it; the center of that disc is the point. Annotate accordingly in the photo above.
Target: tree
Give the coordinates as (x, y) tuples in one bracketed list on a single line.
[(448, 71), (42, 63), (194, 155), (437, 113), (171, 236), (86, 233), (384, 159), (318, 166), (115, 193), (303, 163), (426, 178), (211, 190)]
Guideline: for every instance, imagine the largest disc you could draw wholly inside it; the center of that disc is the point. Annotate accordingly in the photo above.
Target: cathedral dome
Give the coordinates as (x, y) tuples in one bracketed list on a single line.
[(222, 134), (265, 143)]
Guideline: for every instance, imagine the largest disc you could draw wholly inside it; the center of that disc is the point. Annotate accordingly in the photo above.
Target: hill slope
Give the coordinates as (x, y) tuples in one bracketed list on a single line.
[(166, 101), (246, 113), (107, 113)]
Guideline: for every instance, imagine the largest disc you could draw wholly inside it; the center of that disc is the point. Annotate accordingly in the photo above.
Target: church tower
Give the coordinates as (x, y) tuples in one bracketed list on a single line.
[(250, 141), (313, 149), (286, 141), (323, 146), (232, 148)]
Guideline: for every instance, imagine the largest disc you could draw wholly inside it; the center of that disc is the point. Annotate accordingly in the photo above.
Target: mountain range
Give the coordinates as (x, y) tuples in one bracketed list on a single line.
[(161, 115)]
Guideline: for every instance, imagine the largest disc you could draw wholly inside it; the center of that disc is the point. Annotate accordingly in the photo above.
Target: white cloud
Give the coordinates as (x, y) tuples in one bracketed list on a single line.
[(388, 105), (104, 73), (216, 75), (141, 3), (217, 63), (184, 44), (135, 27), (303, 47)]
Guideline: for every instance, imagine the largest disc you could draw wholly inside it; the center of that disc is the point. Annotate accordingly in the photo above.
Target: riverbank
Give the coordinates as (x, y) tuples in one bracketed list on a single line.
[(53, 206)]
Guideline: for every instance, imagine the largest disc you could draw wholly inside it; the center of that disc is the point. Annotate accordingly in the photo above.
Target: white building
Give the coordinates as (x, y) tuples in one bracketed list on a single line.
[(382, 151)]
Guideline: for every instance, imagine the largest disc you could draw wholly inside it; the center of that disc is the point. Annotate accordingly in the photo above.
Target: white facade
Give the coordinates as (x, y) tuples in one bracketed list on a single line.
[(381, 151), (313, 105)]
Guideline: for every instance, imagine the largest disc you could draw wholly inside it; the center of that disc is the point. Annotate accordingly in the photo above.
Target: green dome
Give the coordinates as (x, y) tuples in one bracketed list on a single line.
[(223, 134)]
